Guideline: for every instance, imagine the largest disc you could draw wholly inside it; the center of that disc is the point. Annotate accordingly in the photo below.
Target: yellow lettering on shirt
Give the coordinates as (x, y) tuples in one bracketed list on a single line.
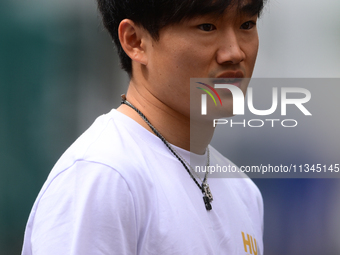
[(249, 242)]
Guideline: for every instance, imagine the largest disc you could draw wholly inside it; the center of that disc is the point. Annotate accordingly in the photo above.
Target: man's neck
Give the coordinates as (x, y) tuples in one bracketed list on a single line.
[(175, 127)]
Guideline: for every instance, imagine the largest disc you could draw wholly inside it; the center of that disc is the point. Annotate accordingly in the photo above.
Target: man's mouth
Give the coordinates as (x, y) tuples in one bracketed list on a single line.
[(230, 77), (233, 81), (231, 74)]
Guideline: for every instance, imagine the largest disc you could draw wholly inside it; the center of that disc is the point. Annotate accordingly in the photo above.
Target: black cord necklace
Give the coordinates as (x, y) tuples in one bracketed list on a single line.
[(207, 196)]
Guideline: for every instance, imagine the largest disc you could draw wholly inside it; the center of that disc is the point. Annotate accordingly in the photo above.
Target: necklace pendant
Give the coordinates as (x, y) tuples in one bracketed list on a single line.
[(207, 192), (207, 203)]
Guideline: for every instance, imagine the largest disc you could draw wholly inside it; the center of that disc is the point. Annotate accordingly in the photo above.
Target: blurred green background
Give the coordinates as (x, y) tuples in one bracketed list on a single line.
[(59, 71)]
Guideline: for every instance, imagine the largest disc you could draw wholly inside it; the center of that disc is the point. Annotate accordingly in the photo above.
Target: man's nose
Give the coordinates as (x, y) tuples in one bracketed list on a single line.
[(229, 51)]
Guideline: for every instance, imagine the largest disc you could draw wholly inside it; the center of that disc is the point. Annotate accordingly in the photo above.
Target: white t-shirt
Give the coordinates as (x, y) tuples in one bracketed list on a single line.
[(119, 190)]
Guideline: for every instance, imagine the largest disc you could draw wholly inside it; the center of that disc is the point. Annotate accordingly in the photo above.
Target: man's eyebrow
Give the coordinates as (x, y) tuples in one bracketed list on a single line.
[(251, 9)]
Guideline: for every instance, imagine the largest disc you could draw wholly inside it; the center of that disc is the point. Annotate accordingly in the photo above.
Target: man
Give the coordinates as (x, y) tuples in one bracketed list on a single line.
[(125, 186)]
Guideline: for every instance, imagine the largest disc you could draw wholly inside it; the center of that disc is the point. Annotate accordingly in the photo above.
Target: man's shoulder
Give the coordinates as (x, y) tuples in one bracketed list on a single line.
[(111, 140)]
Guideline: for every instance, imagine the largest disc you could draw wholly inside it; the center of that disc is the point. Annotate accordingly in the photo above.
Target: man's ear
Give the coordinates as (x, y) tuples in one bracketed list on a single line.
[(133, 40)]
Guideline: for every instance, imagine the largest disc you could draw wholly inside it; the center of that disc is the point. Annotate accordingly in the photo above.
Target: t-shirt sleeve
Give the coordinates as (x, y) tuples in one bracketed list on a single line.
[(86, 209)]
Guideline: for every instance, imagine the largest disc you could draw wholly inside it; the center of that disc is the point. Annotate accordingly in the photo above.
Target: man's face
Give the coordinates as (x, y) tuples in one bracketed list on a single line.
[(202, 47)]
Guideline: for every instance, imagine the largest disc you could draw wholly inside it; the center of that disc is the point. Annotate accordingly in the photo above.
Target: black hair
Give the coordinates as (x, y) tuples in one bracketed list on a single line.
[(154, 15)]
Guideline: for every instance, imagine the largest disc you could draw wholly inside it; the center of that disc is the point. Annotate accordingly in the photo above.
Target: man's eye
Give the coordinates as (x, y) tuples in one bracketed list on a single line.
[(248, 25), (207, 27)]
